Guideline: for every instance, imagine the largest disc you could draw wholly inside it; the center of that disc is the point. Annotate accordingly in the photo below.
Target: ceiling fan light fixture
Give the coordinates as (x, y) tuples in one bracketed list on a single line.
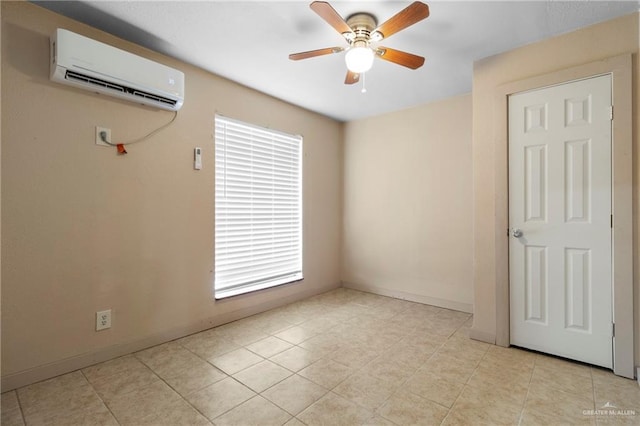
[(359, 59)]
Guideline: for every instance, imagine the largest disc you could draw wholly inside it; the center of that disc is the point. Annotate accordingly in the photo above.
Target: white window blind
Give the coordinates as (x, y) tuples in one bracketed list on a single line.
[(258, 212)]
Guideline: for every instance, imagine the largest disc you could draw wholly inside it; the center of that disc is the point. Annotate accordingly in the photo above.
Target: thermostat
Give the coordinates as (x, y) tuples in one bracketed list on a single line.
[(197, 158)]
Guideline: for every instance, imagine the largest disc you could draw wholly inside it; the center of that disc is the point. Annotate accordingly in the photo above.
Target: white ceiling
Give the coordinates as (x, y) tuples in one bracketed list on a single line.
[(249, 42)]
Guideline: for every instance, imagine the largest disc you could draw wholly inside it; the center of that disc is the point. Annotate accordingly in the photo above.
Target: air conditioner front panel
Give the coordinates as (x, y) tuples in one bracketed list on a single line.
[(85, 59)]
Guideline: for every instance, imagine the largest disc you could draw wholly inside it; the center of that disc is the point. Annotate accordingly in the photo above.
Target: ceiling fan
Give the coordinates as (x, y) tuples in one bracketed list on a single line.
[(362, 32)]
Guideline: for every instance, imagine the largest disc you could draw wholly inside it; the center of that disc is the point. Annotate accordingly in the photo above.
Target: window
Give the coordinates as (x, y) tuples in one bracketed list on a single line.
[(258, 214)]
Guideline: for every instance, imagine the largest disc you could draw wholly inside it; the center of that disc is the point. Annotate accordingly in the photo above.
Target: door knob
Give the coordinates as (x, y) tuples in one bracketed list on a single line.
[(516, 232)]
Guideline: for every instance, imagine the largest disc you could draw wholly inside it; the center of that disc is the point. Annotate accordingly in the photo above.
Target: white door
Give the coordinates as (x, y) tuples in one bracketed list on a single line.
[(560, 220)]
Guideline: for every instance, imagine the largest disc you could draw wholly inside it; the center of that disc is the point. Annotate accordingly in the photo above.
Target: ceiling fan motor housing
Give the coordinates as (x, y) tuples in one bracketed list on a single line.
[(362, 25)]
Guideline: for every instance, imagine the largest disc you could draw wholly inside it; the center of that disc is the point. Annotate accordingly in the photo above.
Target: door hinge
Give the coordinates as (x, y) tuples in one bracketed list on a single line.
[(611, 112), (613, 329)]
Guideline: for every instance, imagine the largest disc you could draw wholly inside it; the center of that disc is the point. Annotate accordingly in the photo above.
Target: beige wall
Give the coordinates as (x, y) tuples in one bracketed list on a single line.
[(87, 230), (589, 44), (407, 226)]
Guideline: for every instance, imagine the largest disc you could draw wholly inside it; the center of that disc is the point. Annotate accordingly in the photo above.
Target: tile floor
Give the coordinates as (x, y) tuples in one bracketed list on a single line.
[(340, 358)]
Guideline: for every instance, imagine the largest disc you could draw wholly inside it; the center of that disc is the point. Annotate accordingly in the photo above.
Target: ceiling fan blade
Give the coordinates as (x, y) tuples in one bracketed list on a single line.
[(314, 53), (399, 57), (352, 77), (415, 12), (330, 15)]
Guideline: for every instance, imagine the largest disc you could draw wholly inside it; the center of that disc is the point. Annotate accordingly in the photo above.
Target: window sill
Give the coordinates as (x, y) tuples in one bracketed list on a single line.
[(226, 293)]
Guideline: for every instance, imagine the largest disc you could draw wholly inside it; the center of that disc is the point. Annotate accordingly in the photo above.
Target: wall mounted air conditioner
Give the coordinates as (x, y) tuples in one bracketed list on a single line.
[(89, 64)]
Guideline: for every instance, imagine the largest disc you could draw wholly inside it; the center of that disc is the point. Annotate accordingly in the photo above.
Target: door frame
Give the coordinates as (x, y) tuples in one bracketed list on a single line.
[(620, 69)]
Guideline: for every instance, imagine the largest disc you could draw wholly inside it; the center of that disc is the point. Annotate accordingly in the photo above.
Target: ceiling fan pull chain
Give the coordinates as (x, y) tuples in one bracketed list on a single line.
[(364, 86)]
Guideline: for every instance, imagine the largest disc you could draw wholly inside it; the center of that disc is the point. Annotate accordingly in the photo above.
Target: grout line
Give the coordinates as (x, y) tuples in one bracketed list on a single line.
[(24, 420), (162, 379), (453, 405), (99, 397), (187, 401), (466, 383), (526, 397)]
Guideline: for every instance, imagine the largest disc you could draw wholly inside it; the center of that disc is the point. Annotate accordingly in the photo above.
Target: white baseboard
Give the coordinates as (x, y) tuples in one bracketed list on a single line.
[(47, 371), (442, 303)]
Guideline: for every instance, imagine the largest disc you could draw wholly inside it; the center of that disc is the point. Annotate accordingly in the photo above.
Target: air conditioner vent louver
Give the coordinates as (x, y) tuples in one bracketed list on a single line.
[(71, 75), (91, 65), (154, 97)]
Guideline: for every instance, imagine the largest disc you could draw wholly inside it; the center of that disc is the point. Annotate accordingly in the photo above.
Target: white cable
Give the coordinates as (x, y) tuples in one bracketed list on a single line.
[(103, 135)]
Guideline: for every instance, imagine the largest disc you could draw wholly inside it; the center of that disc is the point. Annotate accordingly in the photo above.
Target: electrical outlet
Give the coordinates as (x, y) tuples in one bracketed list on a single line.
[(103, 320), (99, 140)]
